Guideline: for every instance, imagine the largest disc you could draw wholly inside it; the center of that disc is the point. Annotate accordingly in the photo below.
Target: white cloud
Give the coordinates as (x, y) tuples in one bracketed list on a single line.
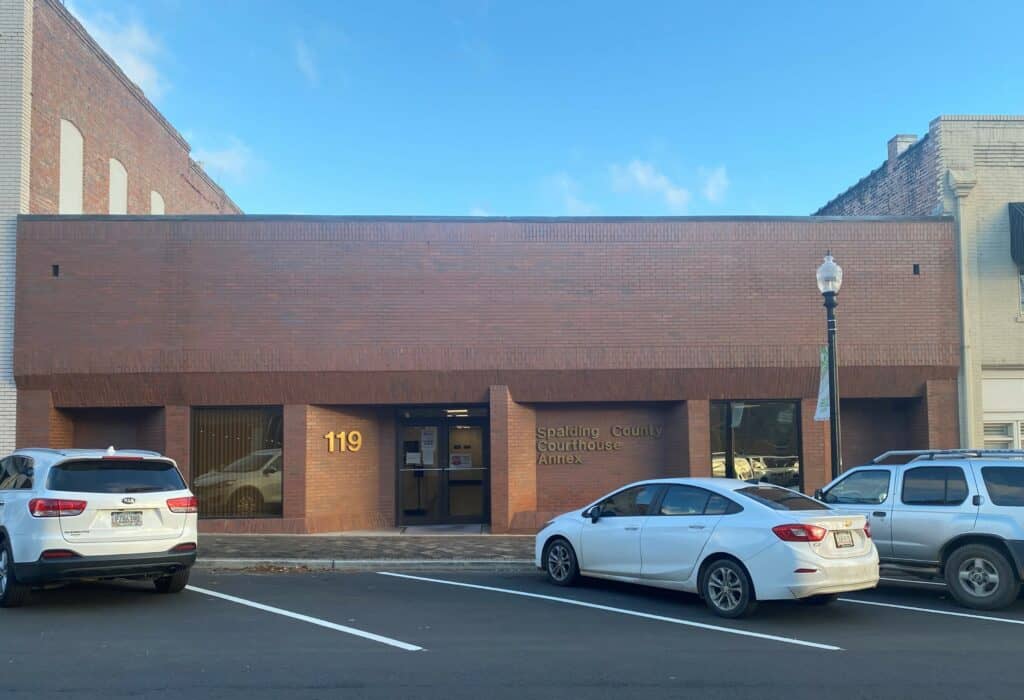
[(642, 176), (132, 46), (235, 161), (567, 190), (307, 65), (716, 182)]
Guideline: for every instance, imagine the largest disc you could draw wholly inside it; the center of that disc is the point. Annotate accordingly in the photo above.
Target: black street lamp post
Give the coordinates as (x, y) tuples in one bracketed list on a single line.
[(830, 279)]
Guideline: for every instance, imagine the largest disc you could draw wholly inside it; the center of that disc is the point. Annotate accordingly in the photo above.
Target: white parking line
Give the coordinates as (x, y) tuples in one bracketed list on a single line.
[(621, 611), (311, 620), (950, 613)]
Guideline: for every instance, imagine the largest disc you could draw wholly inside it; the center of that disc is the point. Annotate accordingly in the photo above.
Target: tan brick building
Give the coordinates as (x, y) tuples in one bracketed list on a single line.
[(77, 136), (315, 374), (970, 167)]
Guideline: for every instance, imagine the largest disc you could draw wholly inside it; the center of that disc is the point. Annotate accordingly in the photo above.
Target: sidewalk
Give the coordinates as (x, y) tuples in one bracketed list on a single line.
[(365, 551)]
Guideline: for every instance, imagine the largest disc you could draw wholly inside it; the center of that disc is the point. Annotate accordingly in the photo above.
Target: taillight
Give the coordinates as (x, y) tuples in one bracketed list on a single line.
[(185, 504), (55, 507), (58, 554), (867, 529), (185, 547), (799, 533)]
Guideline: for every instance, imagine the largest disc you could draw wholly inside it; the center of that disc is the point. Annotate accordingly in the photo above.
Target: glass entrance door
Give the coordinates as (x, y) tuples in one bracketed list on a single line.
[(443, 466)]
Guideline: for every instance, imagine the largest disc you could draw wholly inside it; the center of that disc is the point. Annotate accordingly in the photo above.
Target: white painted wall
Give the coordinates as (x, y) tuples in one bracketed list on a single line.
[(72, 172), (15, 145), (118, 192)]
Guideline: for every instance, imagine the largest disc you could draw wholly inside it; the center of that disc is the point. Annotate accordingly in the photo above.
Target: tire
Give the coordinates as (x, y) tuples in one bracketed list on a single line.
[(175, 583), (12, 593), (727, 589), (820, 600), (247, 502), (560, 562), (981, 577)]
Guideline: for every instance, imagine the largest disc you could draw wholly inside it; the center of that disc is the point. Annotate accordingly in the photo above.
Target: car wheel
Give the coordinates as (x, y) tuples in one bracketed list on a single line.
[(727, 589), (175, 583), (980, 577), (560, 563), (247, 502), (823, 599), (12, 593)]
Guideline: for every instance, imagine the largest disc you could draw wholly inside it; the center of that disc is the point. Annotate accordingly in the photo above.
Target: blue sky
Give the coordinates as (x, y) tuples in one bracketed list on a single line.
[(477, 107)]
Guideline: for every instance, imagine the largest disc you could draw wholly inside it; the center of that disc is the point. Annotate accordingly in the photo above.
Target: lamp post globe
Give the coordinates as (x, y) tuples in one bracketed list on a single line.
[(830, 279)]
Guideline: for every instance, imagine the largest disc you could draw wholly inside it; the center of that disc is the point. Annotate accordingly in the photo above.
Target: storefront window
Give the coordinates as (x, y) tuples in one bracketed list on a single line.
[(236, 461), (756, 440)]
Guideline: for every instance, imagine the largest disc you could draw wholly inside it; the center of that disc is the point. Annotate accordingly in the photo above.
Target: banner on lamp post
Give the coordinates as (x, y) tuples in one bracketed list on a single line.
[(823, 411)]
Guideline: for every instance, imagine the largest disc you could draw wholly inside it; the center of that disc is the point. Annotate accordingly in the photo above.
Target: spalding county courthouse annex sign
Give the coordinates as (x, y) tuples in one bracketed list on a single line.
[(570, 444)]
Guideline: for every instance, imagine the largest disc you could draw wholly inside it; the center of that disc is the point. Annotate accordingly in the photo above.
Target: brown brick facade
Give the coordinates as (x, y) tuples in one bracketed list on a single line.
[(580, 324), (73, 79)]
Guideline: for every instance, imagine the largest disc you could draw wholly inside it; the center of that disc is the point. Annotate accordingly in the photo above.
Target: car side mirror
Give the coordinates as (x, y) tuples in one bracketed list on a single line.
[(272, 469), (819, 494), (593, 512)]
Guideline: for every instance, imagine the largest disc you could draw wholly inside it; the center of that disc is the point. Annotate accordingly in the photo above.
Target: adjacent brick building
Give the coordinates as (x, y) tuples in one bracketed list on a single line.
[(77, 136), (317, 374), (970, 167)]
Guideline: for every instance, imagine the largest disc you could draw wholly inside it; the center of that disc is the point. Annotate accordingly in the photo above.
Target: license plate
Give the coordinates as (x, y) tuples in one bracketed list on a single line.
[(843, 539), (126, 518)]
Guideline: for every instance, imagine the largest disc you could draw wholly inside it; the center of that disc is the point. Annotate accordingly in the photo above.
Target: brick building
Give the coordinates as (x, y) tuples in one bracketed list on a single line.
[(317, 374), (77, 136), (970, 167)]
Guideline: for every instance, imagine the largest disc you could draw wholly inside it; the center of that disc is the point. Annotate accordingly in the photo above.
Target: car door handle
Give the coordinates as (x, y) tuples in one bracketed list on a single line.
[(879, 514), (631, 528), (696, 527)]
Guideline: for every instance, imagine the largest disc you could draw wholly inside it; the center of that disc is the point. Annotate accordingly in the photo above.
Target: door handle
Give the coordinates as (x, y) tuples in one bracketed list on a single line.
[(696, 527), (631, 528), (879, 514)]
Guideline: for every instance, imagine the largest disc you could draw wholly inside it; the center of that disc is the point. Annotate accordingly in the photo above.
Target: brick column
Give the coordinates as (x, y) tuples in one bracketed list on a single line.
[(40, 424), (513, 463), (295, 452), (941, 404), (178, 437), (816, 462), (698, 431)]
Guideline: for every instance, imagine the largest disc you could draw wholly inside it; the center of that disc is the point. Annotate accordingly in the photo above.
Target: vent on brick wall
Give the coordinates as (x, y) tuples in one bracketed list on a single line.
[(1017, 232)]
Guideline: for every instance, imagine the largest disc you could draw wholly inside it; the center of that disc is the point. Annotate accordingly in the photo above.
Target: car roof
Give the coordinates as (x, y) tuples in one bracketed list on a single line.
[(50, 455), (708, 482)]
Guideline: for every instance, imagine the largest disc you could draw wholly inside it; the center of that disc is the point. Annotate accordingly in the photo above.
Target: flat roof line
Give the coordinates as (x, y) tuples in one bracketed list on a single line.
[(473, 219)]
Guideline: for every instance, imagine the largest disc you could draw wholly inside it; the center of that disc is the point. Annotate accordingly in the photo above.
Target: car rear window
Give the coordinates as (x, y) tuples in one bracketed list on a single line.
[(781, 499), (1005, 485), (108, 476)]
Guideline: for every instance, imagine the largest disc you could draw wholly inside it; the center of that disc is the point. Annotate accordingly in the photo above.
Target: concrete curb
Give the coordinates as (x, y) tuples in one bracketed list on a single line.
[(491, 565)]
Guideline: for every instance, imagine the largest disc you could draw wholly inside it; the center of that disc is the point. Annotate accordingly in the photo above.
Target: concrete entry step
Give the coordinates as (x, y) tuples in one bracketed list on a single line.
[(462, 529)]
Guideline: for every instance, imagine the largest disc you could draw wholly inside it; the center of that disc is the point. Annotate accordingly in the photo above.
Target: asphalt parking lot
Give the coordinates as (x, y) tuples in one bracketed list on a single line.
[(472, 635)]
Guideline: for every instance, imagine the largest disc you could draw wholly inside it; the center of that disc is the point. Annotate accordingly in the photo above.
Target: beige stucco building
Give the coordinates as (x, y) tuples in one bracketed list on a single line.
[(973, 168)]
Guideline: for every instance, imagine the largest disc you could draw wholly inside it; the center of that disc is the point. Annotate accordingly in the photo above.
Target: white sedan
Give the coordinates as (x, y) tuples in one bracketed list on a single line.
[(733, 542)]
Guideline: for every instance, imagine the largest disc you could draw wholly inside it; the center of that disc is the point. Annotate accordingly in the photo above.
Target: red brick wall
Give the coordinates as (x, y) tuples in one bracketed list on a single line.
[(193, 300), (350, 490), (872, 426), (124, 428), (698, 426), (566, 486), (513, 464), (73, 79), (817, 463)]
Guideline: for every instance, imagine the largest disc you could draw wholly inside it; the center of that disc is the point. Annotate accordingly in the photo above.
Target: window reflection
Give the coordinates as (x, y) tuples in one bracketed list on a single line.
[(756, 440), (236, 462)]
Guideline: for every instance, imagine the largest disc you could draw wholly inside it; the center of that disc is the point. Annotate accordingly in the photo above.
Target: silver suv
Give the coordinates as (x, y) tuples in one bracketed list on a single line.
[(958, 514)]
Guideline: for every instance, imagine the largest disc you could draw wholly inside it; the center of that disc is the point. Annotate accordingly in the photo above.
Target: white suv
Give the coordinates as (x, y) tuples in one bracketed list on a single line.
[(68, 515)]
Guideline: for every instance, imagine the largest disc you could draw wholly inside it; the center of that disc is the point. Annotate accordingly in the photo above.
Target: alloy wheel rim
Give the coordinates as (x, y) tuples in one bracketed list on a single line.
[(559, 562), (3, 572), (978, 577), (725, 588)]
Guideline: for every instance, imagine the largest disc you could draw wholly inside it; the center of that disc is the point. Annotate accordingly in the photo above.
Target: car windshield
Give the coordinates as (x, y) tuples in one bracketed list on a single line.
[(101, 476), (781, 499)]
